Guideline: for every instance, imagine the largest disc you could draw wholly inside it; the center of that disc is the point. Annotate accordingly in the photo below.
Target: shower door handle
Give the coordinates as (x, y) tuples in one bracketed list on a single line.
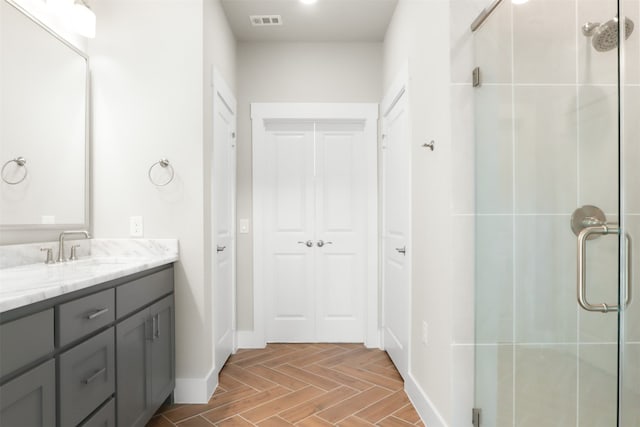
[(603, 229)]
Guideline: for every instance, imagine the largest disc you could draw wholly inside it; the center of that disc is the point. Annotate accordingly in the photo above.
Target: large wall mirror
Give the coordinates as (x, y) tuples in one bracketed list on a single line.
[(44, 139)]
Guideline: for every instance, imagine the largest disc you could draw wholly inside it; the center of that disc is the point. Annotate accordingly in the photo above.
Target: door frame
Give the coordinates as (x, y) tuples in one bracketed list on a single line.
[(222, 90), (367, 112)]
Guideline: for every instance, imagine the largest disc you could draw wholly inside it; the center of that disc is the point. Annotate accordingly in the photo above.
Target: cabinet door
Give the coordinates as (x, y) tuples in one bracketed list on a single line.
[(133, 362), (161, 373), (30, 399)]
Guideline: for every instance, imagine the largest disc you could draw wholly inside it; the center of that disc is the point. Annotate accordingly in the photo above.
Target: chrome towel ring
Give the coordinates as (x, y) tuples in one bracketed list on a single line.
[(21, 162), (163, 163)]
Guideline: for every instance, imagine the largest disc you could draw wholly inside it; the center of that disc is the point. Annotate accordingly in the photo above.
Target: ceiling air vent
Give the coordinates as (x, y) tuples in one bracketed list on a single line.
[(265, 20)]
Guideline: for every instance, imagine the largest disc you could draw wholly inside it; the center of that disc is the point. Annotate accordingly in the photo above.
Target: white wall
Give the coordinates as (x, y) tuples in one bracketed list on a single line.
[(292, 72), (443, 261), (149, 102)]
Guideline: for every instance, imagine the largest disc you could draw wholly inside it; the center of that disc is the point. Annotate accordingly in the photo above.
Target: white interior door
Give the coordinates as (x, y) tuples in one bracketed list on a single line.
[(223, 211), (289, 231), (340, 231), (396, 182), (316, 225)]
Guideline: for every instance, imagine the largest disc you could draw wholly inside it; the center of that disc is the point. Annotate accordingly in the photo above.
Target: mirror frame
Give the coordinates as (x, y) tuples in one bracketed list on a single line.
[(87, 138)]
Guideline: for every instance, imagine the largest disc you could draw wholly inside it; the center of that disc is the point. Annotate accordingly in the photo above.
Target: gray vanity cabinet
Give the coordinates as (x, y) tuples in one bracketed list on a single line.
[(30, 399), (145, 358)]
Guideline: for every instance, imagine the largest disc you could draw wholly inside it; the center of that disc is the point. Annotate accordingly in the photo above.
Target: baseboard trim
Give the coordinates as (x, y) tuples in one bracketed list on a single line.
[(425, 408), (196, 390), (249, 339)]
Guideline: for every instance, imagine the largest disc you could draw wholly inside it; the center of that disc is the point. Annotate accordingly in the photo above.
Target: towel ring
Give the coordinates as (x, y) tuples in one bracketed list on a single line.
[(21, 162), (164, 163)]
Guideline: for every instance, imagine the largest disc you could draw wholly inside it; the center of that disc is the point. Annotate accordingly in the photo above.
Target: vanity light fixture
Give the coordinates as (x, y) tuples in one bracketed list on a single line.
[(83, 20)]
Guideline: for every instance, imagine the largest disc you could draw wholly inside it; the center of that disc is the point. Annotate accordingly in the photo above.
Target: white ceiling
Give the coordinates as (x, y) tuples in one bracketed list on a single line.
[(324, 21)]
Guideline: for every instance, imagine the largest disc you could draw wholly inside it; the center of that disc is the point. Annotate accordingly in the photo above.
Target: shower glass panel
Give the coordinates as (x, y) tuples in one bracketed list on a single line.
[(548, 142)]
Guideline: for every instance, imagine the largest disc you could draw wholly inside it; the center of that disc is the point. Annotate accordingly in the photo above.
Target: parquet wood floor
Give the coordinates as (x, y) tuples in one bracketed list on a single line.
[(301, 385)]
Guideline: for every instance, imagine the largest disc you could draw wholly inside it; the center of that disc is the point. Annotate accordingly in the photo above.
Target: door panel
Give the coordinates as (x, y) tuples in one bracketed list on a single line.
[(289, 265), (223, 210), (340, 223), (396, 227)]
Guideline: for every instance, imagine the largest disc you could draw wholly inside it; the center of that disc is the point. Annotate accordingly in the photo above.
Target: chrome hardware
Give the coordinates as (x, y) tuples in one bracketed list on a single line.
[(431, 145), (233, 134), (321, 243), (21, 162), (475, 77), (153, 330), (61, 257), (308, 243), (402, 250), (587, 216), (220, 248), (73, 256), (585, 234), (475, 417), (484, 15), (157, 326), (49, 259), (94, 376), (97, 313), (163, 163)]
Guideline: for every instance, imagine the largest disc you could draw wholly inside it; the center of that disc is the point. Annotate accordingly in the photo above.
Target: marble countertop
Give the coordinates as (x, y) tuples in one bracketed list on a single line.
[(109, 259)]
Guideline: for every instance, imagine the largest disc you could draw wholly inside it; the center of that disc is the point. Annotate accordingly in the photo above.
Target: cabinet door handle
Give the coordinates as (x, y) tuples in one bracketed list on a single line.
[(157, 316), (97, 313), (153, 328), (94, 376)]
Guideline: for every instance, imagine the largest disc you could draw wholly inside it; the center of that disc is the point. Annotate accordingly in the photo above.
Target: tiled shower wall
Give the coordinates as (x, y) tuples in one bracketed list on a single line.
[(537, 140)]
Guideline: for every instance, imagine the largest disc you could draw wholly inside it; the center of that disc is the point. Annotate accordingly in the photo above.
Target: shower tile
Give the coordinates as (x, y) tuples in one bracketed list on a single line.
[(632, 313), (546, 308), (602, 287), (463, 149), (463, 275), (598, 133), (544, 41), (597, 390), (462, 384), (546, 149), (631, 9), (494, 384), (494, 279), (545, 385), (631, 149), (630, 410), (494, 150), (493, 46)]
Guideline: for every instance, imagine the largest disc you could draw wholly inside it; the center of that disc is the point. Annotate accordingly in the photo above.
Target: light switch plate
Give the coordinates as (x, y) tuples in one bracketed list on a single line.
[(136, 227), (244, 226)]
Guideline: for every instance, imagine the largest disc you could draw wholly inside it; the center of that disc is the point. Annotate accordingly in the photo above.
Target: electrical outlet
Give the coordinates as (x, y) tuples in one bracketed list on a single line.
[(425, 333), (136, 228)]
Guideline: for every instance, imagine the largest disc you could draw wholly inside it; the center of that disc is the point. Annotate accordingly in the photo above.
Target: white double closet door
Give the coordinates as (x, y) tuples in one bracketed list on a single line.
[(315, 231)]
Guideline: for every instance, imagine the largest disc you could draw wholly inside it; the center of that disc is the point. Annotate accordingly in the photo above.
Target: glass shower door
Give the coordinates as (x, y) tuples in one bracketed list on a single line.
[(548, 150)]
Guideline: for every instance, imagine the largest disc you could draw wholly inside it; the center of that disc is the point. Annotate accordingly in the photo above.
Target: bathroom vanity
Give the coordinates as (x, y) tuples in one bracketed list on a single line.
[(89, 342)]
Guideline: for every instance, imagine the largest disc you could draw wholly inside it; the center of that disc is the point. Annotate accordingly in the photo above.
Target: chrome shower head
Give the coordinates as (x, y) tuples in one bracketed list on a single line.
[(605, 36)]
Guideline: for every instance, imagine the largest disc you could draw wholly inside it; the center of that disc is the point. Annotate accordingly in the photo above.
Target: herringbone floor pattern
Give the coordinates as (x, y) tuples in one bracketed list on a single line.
[(302, 385)]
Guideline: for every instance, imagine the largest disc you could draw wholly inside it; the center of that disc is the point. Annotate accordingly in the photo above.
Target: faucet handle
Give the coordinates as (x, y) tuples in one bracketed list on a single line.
[(73, 256), (49, 259)]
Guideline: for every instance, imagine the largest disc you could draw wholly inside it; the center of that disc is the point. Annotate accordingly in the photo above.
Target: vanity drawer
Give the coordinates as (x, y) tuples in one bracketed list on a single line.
[(105, 417), (138, 293), (25, 340), (87, 377), (85, 315)]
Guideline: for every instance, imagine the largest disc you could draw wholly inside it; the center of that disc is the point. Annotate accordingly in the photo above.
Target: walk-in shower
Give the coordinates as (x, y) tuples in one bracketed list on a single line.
[(557, 314)]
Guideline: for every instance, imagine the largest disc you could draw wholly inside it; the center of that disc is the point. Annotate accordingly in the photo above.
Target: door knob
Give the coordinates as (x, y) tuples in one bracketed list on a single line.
[(308, 243), (402, 250), (321, 243), (220, 248)]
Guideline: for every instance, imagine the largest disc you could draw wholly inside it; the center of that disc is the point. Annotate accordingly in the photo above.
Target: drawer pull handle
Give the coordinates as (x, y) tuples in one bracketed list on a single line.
[(97, 314), (94, 376)]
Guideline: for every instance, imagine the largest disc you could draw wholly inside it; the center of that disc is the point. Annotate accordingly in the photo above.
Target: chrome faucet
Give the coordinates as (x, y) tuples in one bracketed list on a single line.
[(61, 257)]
